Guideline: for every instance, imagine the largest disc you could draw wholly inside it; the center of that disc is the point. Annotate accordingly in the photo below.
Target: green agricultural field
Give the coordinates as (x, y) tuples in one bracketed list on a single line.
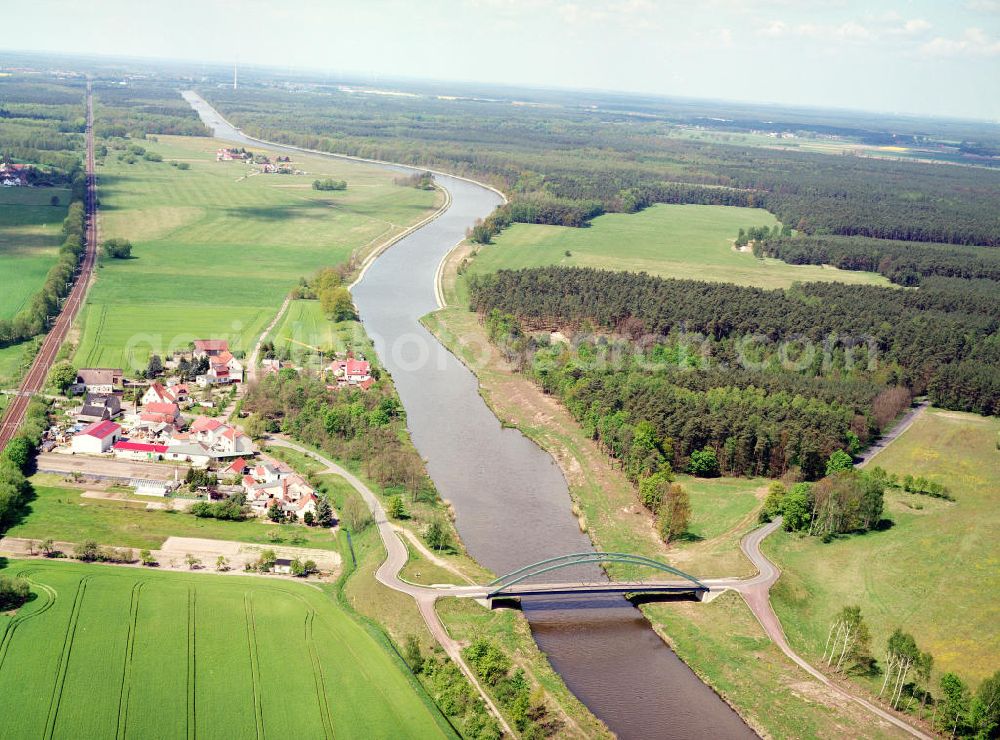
[(680, 241), (216, 250), (935, 573), (304, 328), (30, 235), (124, 652), (63, 514)]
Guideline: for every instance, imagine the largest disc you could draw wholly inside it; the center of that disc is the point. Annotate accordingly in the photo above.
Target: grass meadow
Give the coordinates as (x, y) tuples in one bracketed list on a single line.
[(123, 652), (935, 573), (680, 241), (304, 330), (30, 235), (216, 250), (65, 515)]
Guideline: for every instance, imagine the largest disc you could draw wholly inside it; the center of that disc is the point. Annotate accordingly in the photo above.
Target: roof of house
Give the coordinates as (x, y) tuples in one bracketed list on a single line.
[(157, 407), (357, 367), (211, 345), (139, 447), (238, 465), (205, 424), (100, 429), (192, 448), (282, 561), (98, 375), (366, 383), (162, 392)]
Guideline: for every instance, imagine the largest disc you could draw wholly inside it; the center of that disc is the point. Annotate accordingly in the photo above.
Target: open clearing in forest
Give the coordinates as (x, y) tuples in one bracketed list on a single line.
[(680, 241), (121, 652), (935, 573), (216, 249)]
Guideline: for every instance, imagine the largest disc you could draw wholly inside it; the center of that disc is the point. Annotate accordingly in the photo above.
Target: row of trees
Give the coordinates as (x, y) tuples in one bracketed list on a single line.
[(904, 263), (329, 184)]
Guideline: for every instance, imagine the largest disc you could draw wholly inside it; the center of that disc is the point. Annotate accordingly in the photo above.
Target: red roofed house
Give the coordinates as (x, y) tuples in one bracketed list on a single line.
[(351, 371), (209, 347), (97, 438), (161, 413), (237, 467), (138, 450), (222, 368)]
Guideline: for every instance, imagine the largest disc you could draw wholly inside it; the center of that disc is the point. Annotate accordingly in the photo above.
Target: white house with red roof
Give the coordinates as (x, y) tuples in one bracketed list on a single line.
[(97, 438), (352, 371), (221, 439)]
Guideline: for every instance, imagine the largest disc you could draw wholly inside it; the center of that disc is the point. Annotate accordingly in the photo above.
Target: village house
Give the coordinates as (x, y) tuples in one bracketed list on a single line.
[(162, 413), (209, 347), (221, 440), (98, 380), (99, 407), (291, 492), (14, 175), (97, 438), (158, 393), (223, 368), (355, 372), (228, 154)]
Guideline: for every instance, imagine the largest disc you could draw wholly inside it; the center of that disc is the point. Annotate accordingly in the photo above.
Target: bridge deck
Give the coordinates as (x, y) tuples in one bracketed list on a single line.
[(608, 587)]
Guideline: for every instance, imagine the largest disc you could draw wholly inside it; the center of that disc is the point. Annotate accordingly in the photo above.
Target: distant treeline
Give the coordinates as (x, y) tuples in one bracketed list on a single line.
[(557, 156), (144, 107), (904, 263), (41, 122), (936, 339)]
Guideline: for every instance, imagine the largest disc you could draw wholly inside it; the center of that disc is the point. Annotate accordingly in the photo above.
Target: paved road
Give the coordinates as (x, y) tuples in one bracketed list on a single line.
[(898, 428), (756, 592), (34, 380)]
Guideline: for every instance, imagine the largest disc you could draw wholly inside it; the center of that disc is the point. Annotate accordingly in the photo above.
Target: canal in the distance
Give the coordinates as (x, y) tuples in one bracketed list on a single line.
[(511, 500)]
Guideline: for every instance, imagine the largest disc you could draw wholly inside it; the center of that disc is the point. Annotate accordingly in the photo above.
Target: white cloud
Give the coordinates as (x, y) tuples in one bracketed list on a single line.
[(983, 6), (853, 31), (974, 42)]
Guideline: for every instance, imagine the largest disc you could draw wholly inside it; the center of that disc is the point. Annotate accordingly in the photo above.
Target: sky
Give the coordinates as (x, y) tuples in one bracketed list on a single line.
[(900, 56)]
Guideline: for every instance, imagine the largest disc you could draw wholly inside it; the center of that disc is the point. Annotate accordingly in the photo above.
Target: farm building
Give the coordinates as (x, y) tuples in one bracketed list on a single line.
[(128, 450), (97, 438), (283, 566)]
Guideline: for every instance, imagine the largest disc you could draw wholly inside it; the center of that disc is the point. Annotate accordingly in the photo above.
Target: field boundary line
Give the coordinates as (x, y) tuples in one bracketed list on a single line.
[(191, 677), (254, 664), (320, 681), (126, 687), (67, 649)]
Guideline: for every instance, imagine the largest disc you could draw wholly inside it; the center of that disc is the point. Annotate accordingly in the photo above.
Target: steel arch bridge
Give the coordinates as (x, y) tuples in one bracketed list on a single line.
[(513, 584)]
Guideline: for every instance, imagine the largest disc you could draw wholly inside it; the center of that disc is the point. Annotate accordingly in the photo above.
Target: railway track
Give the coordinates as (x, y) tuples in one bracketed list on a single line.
[(34, 380)]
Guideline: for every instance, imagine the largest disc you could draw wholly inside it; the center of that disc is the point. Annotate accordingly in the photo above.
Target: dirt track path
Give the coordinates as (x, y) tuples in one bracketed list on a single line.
[(898, 428)]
